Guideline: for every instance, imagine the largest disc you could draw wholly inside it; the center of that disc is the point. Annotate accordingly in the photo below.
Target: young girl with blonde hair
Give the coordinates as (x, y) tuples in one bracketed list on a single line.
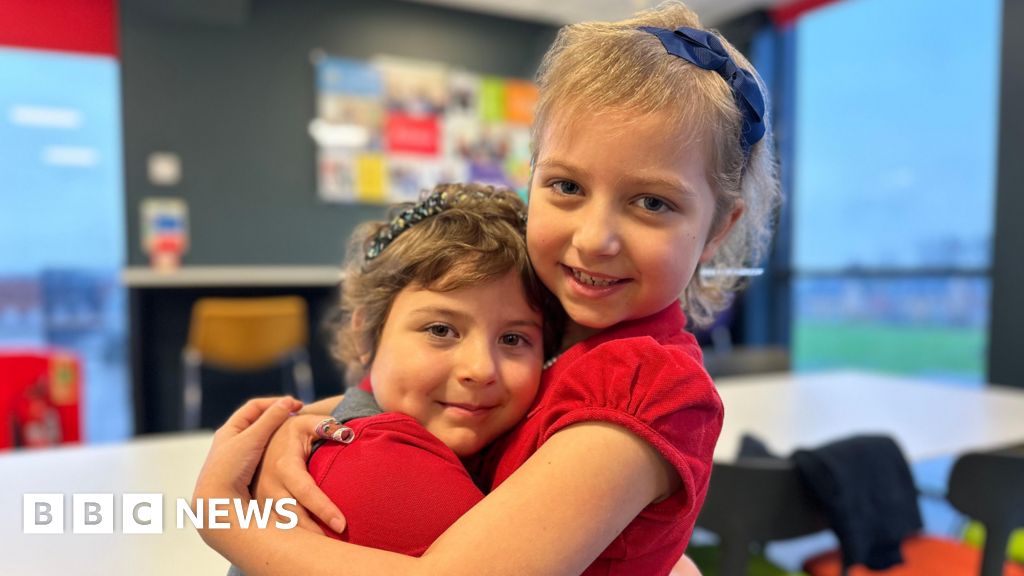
[(653, 162)]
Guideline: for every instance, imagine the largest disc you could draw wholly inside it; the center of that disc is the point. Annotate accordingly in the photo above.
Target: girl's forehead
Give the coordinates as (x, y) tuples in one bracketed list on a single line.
[(567, 127), (618, 141)]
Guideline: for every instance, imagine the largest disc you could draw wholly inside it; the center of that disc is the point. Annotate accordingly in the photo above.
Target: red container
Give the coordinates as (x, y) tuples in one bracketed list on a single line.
[(40, 398)]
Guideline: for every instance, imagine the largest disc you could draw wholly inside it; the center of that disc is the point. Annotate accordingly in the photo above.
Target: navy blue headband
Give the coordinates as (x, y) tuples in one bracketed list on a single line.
[(704, 50)]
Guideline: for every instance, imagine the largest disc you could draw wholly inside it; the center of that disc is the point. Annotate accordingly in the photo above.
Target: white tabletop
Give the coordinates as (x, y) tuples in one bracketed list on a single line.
[(787, 411), (167, 465), (928, 419)]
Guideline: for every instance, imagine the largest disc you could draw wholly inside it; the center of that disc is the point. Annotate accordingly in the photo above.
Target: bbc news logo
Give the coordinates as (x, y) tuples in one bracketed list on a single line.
[(144, 513)]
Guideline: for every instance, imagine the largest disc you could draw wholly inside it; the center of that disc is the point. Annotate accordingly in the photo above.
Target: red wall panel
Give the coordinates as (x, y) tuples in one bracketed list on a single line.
[(88, 26)]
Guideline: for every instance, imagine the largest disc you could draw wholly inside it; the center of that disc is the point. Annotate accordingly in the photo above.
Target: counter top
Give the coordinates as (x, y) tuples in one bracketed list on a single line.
[(218, 276)]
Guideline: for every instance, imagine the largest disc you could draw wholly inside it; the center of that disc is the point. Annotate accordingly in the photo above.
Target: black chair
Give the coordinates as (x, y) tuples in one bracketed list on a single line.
[(757, 500), (753, 501), (989, 487)]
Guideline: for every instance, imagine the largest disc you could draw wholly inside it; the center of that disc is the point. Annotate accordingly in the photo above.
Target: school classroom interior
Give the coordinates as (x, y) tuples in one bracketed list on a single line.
[(178, 179)]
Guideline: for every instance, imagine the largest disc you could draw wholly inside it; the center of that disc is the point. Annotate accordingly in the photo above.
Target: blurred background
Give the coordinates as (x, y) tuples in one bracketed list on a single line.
[(155, 154), (217, 138)]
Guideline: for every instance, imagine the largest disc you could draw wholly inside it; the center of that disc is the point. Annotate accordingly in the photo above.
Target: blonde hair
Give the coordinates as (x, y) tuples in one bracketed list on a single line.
[(597, 67), (478, 238)]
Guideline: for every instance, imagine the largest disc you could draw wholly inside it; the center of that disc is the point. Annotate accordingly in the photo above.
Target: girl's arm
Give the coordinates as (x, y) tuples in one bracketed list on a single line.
[(322, 407), (554, 515)]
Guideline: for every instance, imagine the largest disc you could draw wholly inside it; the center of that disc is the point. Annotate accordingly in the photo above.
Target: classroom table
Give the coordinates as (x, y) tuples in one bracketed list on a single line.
[(927, 418), (165, 464)]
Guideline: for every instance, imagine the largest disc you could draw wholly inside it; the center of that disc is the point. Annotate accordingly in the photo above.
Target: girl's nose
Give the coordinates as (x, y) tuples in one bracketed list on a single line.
[(597, 233), (477, 365)]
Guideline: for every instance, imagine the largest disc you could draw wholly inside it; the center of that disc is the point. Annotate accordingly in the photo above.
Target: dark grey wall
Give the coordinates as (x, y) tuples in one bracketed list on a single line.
[(229, 87), (1006, 331)]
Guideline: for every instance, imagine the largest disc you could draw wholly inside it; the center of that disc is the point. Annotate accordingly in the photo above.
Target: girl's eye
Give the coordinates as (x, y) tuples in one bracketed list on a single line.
[(654, 204), (513, 340), (566, 187), (440, 330)]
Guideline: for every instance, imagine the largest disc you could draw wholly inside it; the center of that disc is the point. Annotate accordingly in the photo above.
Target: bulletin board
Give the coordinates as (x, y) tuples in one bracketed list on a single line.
[(388, 128)]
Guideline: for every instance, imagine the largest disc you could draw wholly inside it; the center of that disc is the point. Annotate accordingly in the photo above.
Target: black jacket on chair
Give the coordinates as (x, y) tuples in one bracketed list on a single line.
[(867, 492)]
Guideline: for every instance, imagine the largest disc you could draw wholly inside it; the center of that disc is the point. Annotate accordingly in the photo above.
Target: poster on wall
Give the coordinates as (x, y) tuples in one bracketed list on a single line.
[(164, 224), (347, 130), (520, 100), (390, 128)]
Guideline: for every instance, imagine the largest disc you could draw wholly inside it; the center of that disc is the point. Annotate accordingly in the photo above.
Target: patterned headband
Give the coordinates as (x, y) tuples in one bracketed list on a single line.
[(704, 50), (434, 204)]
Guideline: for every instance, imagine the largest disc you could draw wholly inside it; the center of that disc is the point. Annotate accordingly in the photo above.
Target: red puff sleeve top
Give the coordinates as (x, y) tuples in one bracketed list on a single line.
[(647, 376), (398, 486)]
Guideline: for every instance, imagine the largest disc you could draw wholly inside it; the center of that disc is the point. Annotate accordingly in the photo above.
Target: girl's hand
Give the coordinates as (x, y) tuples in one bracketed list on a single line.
[(238, 445), (283, 474)]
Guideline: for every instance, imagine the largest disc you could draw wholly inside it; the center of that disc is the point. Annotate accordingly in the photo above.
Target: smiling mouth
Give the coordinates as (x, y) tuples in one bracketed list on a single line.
[(592, 280), (467, 409)]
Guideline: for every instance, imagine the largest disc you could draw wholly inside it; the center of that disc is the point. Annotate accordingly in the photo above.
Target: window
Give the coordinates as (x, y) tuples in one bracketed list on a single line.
[(62, 222), (893, 188)]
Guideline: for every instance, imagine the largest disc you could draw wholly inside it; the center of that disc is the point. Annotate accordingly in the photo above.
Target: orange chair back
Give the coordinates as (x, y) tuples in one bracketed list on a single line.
[(247, 333)]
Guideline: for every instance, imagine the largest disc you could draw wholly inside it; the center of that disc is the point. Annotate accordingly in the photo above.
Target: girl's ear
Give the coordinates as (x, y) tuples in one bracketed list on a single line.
[(724, 228), (358, 321)]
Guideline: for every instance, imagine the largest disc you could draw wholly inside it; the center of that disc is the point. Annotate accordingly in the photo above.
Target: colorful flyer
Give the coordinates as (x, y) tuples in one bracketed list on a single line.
[(413, 87), (336, 180), (461, 128), (517, 162), (406, 134), (463, 94), (411, 176), (371, 179), (492, 99), (348, 77), (520, 100)]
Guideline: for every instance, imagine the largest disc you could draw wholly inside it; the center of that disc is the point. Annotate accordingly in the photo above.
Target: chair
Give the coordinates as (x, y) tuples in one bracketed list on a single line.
[(756, 500), (242, 336), (975, 532), (988, 487)]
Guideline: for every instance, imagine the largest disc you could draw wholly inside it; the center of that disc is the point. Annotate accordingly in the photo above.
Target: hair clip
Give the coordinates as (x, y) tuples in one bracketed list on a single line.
[(704, 50), (432, 205), (342, 434)]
